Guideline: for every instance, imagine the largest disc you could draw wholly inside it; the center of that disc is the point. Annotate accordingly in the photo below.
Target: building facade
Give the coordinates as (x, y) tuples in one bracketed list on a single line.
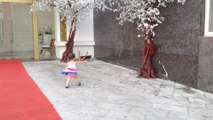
[(28, 35), (184, 43)]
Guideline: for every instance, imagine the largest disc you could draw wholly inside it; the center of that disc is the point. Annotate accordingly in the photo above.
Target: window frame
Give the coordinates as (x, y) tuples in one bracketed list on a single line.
[(208, 6)]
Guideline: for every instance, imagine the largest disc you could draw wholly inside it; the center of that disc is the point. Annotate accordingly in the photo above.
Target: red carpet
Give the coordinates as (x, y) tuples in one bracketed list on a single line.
[(20, 98)]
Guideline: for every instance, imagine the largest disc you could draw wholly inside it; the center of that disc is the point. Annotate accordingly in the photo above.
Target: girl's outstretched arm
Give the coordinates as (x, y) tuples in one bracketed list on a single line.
[(81, 62)]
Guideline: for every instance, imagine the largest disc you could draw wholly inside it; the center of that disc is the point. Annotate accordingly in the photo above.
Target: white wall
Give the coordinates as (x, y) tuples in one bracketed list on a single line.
[(85, 30), (84, 39)]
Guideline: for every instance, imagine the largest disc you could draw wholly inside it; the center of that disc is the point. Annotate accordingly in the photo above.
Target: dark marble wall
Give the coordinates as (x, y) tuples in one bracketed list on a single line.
[(115, 43), (177, 41), (205, 65), (205, 74)]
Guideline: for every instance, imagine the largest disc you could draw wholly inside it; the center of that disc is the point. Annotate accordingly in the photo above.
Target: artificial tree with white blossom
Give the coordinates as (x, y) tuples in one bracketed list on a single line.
[(73, 11), (146, 14)]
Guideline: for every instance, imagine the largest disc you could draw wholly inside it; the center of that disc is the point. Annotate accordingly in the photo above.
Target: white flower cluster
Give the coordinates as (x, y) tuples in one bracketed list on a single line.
[(41, 5), (145, 13), (70, 10)]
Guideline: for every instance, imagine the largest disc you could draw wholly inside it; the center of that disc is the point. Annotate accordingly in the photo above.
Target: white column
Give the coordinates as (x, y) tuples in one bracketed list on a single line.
[(57, 24), (59, 46)]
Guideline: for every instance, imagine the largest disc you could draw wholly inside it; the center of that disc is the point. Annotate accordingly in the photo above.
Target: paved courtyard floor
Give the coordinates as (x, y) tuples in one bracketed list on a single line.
[(110, 92)]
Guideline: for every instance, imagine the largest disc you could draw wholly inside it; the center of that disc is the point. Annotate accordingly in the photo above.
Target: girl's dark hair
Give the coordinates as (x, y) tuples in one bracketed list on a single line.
[(71, 56)]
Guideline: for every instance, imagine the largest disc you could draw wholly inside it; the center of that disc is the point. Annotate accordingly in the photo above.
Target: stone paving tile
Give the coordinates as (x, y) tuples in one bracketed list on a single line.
[(111, 92)]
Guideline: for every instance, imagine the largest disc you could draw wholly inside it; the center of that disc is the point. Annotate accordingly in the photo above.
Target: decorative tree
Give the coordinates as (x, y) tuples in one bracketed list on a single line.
[(73, 11), (146, 14)]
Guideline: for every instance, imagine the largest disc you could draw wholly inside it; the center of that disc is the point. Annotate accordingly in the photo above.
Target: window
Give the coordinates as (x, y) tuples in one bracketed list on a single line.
[(209, 18)]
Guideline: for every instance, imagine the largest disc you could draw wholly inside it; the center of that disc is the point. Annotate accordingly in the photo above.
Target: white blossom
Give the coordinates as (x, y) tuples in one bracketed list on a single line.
[(145, 13), (70, 10)]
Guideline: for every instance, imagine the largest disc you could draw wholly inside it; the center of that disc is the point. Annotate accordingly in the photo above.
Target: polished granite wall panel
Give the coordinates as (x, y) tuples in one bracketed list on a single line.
[(205, 71), (176, 40), (179, 33), (115, 43), (120, 59), (180, 68)]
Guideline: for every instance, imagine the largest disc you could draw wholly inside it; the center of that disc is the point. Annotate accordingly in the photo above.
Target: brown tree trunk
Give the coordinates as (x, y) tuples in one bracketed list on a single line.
[(70, 42), (146, 69)]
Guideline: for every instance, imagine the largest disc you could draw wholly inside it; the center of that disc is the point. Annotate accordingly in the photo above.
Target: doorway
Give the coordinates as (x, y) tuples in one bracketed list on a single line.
[(46, 34), (16, 31)]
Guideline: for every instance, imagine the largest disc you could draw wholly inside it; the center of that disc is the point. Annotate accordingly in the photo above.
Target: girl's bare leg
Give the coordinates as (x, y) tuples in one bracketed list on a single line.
[(77, 79), (67, 82)]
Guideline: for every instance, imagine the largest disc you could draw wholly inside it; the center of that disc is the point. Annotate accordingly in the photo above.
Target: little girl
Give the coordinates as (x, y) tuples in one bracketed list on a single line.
[(71, 70)]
